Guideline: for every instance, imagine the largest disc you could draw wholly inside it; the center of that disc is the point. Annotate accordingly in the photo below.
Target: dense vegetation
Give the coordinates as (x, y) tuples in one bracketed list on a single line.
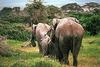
[(14, 31), (12, 24)]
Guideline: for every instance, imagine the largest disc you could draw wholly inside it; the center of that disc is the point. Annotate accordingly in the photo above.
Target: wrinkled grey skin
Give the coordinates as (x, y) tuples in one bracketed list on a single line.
[(66, 36), (39, 34)]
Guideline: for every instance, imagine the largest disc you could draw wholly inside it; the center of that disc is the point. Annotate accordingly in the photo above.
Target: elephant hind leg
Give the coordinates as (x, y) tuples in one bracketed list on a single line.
[(59, 54), (66, 61), (75, 50), (65, 56)]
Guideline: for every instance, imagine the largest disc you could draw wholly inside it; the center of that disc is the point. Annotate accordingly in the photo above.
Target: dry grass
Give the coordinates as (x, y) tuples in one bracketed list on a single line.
[(29, 49)]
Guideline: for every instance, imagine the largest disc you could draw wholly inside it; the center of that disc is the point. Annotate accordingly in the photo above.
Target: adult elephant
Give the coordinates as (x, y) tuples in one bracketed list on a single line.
[(39, 34), (67, 36)]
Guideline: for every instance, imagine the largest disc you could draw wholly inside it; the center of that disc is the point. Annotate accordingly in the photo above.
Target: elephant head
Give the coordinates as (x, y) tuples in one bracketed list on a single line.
[(52, 47), (40, 34), (55, 22)]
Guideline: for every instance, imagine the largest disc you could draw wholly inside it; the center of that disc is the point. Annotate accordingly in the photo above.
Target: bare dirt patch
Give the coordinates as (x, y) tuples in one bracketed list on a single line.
[(29, 49)]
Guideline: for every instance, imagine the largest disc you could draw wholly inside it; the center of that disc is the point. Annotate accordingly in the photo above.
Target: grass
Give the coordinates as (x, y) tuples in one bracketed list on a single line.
[(14, 43), (89, 55), (90, 52)]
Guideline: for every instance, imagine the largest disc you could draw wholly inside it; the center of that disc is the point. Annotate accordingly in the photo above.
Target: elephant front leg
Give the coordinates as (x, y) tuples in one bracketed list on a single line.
[(40, 48), (44, 50)]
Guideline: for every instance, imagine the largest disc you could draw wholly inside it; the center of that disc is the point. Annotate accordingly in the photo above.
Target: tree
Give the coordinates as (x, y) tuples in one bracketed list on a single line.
[(5, 11), (37, 12), (53, 12), (94, 25)]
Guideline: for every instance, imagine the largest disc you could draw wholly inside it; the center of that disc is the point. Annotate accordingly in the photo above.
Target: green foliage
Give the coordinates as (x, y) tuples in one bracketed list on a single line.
[(41, 14), (52, 11), (12, 25), (7, 14), (37, 12), (14, 31), (12, 18), (94, 25), (5, 11)]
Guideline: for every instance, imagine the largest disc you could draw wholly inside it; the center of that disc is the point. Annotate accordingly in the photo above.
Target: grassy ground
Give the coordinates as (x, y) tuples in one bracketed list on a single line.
[(89, 55)]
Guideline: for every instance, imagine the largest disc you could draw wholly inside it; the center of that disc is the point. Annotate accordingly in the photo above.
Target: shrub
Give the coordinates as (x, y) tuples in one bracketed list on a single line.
[(94, 25), (14, 31)]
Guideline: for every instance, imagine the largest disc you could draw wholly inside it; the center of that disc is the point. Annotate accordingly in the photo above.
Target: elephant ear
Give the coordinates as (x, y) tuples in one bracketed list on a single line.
[(55, 22), (48, 27)]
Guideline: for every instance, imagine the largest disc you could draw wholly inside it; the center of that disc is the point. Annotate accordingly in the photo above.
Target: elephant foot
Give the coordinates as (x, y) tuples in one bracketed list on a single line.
[(75, 63), (65, 62), (40, 51)]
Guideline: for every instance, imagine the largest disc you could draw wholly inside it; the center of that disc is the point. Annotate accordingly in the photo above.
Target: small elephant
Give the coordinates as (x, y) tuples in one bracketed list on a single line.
[(39, 34)]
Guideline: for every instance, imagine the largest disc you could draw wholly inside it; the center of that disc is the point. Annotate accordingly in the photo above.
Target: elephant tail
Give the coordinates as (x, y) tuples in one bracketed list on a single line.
[(73, 44), (76, 44)]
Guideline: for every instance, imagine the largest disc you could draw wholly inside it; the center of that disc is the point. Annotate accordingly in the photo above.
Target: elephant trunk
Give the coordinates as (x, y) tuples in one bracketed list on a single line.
[(33, 41)]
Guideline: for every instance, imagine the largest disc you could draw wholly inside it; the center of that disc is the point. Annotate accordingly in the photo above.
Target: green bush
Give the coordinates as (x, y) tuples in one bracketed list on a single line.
[(7, 14), (94, 25), (13, 19), (14, 31), (37, 12)]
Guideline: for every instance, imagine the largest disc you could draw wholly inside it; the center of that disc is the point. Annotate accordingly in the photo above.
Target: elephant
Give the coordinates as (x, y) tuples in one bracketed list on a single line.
[(39, 34), (66, 35)]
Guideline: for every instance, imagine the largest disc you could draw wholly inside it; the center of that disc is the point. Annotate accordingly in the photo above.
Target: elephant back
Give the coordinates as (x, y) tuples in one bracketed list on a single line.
[(68, 27)]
